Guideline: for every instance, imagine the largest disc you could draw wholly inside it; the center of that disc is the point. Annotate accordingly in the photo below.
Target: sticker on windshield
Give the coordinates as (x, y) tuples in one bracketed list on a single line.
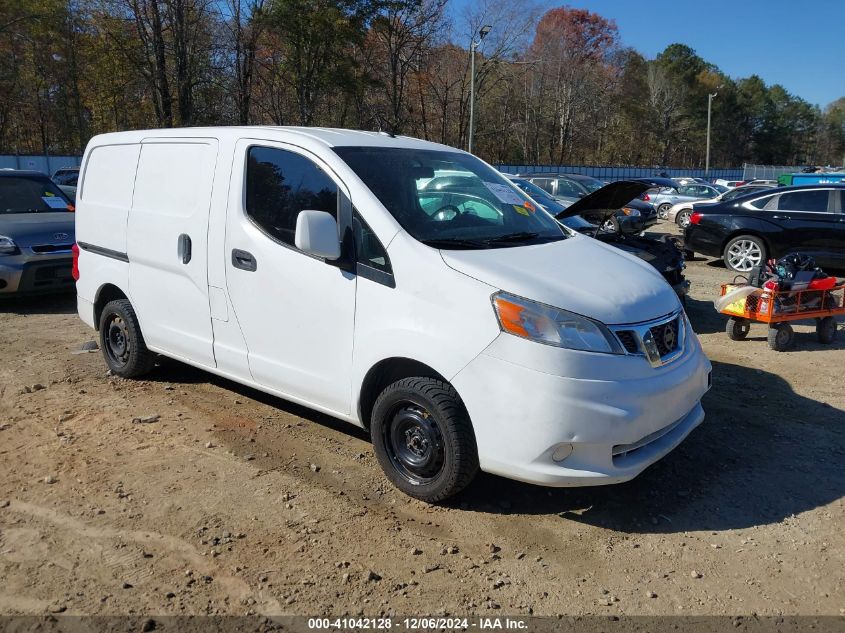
[(504, 193), (521, 209), (54, 202)]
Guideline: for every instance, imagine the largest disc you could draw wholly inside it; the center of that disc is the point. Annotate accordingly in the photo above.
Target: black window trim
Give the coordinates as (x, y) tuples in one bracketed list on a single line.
[(363, 269), (828, 211)]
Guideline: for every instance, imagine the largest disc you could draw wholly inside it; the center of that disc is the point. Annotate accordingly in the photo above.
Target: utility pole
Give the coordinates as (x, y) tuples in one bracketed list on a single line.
[(710, 97), (484, 30)]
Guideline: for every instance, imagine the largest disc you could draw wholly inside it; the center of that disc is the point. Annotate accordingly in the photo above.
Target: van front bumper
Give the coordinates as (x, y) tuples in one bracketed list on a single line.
[(576, 418)]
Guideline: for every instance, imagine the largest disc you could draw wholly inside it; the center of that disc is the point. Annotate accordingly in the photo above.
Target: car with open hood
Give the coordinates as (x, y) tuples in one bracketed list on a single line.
[(458, 322)]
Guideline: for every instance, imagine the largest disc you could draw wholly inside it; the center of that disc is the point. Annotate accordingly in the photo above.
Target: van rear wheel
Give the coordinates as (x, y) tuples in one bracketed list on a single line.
[(423, 438), (122, 342)]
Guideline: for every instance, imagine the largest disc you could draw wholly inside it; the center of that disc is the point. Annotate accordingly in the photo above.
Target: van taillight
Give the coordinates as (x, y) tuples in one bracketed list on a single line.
[(695, 218), (74, 272)]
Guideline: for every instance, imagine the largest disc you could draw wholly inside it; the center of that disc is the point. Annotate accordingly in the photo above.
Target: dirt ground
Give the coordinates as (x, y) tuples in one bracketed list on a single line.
[(235, 502)]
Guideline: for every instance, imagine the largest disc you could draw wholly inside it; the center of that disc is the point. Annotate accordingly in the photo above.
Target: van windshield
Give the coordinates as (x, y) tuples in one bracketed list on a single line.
[(450, 200)]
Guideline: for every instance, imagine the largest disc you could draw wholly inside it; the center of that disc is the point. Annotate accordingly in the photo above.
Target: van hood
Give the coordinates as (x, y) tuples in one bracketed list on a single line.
[(36, 229), (578, 274)]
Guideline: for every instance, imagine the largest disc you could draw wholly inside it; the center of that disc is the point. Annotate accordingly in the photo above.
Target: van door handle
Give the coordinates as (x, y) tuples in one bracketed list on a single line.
[(183, 248), (244, 260)]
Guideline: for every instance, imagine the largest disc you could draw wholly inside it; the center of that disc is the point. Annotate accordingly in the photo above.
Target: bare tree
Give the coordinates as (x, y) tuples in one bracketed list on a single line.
[(400, 36), (666, 97)]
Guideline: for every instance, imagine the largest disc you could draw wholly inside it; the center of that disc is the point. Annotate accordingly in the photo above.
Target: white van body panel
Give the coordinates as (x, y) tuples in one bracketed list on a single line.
[(107, 195), (408, 321), (311, 332), (624, 289), (296, 312), (172, 194)]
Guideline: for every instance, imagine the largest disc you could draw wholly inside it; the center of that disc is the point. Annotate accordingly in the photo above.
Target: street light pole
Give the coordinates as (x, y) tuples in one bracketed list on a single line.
[(484, 30), (710, 97)]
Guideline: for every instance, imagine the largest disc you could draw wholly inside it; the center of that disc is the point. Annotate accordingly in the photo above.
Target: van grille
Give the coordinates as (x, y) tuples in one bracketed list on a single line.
[(661, 341), (666, 337), (628, 340)]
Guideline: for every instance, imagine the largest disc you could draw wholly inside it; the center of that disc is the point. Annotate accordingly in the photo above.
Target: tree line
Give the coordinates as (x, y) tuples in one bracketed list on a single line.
[(553, 87)]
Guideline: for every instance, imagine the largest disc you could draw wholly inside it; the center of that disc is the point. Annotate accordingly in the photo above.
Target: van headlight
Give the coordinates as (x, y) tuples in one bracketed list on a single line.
[(552, 326), (7, 246)]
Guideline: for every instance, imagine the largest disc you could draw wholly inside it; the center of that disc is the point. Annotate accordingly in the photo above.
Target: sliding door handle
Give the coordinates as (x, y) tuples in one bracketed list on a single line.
[(183, 248), (244, 260)]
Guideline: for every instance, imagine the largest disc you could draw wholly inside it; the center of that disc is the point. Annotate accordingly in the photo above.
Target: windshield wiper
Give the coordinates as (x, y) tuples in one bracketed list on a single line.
[(455, 242), (522, 236)]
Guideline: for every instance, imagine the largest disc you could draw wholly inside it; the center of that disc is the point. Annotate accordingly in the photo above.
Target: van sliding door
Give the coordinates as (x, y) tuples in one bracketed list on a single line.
[(167, 246)]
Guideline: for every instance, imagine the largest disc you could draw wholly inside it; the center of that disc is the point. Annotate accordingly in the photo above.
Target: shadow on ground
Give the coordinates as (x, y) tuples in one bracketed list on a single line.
[(763, 454), (173, 372)]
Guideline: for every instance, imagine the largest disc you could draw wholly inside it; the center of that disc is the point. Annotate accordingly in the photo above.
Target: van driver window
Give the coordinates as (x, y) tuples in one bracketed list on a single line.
[(280, 184)]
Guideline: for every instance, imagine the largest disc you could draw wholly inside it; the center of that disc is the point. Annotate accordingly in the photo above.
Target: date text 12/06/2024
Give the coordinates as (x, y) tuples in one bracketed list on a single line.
[(418, 623)]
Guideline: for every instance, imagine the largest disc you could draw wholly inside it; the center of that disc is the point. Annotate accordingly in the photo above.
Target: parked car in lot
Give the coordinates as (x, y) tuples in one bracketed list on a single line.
[(587, 182), (681, 212), (465, 330), (748, 230), (559, 185), (662, 199), (66, 179), (730, 184), (635, 217), (662, 253), (36, 234)]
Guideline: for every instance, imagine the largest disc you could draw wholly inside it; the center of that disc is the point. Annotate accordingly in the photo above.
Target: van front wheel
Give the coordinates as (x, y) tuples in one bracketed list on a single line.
[(121, 341), (423, 438)]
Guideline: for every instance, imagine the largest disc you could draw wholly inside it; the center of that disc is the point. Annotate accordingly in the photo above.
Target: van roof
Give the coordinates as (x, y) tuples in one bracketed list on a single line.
[(329, 137)]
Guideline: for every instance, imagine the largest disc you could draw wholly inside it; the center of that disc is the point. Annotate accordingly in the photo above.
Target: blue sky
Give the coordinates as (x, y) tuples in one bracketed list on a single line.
[(800, 45)]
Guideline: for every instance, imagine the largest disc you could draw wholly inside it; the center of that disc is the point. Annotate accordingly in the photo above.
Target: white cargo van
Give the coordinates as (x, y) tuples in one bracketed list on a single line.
[(403, 286)]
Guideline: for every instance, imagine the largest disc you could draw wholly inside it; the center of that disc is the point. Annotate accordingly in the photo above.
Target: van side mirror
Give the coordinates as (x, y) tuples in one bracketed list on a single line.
[(316, 234)]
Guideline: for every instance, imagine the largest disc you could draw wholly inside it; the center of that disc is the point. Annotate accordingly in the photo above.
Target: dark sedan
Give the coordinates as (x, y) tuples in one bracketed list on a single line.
[(747, 231)]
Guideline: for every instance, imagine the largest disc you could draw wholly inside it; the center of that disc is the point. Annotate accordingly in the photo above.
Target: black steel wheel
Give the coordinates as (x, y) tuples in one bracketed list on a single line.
[(737, 329), (423, 438), (826, 330), (122, 342), (415, 444), (781, 336)]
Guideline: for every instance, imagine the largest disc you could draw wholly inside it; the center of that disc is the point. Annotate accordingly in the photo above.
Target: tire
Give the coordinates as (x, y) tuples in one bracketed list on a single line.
[(826, 330), (744, 252), (663, 211), (611, 225), (737, 329), (423, 438), (682, 219), (122, 342), (781, 336)]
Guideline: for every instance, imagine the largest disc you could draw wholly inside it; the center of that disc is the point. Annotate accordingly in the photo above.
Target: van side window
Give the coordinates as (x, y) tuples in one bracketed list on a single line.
[(368, 249), (280, 184)]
